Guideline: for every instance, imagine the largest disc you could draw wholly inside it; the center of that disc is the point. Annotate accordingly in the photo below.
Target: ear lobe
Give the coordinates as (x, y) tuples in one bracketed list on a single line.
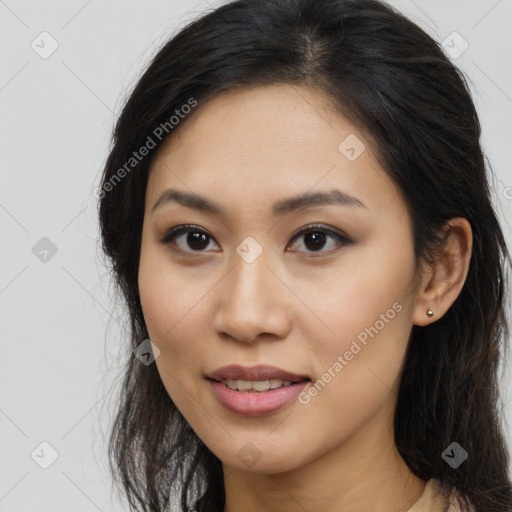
[(442, 285)]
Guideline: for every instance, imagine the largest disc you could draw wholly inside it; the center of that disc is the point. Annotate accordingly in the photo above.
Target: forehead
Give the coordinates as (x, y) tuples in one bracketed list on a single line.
[(279, 122), (262, 143)]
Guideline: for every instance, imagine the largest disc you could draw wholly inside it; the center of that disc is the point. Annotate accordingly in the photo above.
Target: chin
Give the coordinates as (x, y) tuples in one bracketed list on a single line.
[(260, 457)]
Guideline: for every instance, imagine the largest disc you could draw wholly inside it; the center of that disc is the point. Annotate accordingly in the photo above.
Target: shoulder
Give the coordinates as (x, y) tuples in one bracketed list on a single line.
[(439, 497), (454, 502)]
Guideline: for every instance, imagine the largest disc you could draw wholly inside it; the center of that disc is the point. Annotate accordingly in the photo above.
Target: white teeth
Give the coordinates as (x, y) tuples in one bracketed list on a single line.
[(260, 385), (243, 385), (254, 385), (231, 384), (276, 383)]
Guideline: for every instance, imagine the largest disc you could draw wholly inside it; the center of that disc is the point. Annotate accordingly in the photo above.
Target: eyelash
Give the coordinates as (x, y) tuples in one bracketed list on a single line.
[(315, 228)]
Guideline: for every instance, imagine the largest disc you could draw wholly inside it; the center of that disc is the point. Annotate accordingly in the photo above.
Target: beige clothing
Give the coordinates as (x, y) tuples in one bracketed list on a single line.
[(437, 498)]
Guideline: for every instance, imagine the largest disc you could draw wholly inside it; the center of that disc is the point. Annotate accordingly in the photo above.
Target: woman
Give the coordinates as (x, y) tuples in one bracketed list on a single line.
[(297, 211)]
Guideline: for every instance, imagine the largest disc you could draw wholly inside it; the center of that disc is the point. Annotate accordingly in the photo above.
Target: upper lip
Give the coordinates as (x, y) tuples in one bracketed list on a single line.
[(258, 372)]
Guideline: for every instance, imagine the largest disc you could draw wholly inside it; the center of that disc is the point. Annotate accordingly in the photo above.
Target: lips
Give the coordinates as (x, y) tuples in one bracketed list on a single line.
[(258, 372)]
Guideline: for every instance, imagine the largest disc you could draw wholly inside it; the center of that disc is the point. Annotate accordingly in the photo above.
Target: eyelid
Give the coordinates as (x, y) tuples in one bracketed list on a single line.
[(179, 230), (321, 227)]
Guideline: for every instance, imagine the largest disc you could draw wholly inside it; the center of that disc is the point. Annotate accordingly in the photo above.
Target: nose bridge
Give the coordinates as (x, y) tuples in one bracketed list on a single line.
[(251, 301), (249, 278), (250, 274)]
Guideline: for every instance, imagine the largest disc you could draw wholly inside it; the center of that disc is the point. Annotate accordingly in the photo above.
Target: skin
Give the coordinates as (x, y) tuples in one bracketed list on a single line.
[(293, 307)]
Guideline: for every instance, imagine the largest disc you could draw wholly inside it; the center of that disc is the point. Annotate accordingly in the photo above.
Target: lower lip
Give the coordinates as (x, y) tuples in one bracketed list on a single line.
[(255, 404)]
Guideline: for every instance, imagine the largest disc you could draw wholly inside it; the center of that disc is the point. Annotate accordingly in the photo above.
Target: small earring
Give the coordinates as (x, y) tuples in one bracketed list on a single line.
[(430, 313)]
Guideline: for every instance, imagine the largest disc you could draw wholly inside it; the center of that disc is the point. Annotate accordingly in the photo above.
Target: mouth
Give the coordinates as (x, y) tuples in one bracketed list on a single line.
[(256, 397), (257, 386), (255, 390)]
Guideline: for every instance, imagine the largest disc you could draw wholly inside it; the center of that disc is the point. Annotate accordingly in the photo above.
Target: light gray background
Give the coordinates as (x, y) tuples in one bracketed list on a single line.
[(61, 329)]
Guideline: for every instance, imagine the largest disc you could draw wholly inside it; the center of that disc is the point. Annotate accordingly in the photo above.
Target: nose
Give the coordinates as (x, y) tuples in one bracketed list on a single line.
[(253, 301)]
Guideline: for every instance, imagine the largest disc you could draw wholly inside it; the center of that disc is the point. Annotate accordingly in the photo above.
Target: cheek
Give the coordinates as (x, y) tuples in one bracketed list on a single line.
[(355, 298), (171, 313), (166, 293), (169, 306), (169, 299), (367, 317)]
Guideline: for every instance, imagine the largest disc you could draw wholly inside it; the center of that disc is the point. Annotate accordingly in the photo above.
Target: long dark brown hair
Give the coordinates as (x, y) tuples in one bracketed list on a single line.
[(395, 84)]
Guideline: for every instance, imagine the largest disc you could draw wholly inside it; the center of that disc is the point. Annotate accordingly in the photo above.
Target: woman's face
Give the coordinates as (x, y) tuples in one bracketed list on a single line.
[(239, 287)]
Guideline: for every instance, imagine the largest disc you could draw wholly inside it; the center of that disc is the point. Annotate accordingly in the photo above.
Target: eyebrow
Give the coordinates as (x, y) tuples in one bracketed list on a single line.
[(281, 207)]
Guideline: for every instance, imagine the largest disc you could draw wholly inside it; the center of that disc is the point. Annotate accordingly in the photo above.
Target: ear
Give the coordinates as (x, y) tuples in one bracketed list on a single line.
[(442, 284)]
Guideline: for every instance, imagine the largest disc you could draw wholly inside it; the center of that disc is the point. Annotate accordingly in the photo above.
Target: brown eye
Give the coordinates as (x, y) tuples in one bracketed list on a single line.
[(317, 236), (196, 239)]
